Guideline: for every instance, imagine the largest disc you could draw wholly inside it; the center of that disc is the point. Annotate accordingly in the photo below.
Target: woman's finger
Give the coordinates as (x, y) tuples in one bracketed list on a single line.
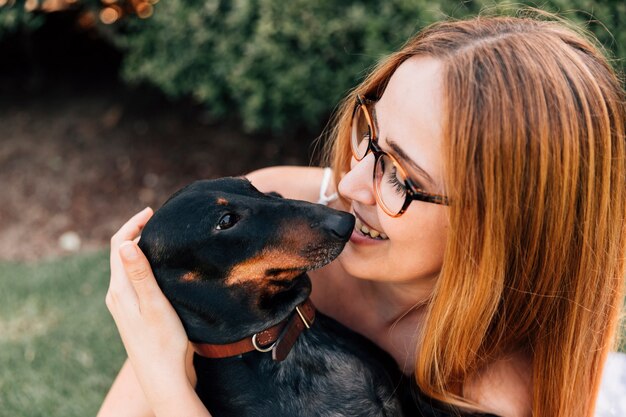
[(139, 273), (120, 288), (132, 227), (128, 231)]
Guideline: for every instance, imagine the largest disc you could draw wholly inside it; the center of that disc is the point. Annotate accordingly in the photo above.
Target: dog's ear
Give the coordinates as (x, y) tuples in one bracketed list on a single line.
[(274, 194)]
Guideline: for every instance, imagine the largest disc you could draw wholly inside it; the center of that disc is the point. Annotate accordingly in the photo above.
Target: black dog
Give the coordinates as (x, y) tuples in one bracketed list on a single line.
[(233, 263)]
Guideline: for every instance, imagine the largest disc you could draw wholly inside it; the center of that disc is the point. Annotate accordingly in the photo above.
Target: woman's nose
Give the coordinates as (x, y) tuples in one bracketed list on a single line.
[(357, 184)]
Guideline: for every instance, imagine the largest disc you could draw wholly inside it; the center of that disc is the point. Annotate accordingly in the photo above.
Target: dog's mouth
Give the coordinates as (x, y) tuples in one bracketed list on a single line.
[(270, 264), (281, 274), (276, 265), (283, 278)]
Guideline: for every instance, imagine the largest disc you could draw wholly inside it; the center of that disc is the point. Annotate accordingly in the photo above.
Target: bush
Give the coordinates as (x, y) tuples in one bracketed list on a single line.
[(276, 64), (23, 16), (280, 65), (13, 19)]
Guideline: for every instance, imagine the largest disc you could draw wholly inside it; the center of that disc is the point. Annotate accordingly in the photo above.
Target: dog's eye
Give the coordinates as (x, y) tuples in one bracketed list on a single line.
[(227, 221)]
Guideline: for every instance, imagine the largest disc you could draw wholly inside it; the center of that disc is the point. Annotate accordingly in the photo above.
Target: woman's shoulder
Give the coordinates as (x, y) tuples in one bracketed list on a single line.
[(504, 387), (295, 182), (415, 402)]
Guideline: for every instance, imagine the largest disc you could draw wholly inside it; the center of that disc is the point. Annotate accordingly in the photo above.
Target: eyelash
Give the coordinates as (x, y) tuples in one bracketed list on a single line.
[(399, 186), (393, 180)]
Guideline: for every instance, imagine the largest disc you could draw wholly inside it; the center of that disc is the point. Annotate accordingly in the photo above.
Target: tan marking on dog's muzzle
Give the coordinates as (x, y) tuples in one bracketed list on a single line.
[(222, 201), (299, 235), (257, 270)]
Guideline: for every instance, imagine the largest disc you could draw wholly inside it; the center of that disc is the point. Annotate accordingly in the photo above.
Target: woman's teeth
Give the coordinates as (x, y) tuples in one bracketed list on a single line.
[(374, 234)]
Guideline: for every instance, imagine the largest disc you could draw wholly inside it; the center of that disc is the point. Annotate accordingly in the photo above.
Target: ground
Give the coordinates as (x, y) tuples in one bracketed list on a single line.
[(76, 162)]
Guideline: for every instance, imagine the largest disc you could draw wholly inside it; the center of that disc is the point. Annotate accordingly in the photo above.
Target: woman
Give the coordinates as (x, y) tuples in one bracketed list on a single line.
[(485, 164)]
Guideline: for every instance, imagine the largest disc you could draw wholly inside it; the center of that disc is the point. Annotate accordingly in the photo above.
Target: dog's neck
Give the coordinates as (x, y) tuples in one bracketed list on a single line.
[(278, 339), (207, 323)]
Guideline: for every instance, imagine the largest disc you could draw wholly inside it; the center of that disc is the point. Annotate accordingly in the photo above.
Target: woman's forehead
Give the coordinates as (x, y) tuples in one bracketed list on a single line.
[(410, 112)]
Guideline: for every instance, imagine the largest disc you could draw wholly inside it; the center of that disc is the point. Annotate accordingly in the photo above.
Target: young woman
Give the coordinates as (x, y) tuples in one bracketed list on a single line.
[(485, 163)]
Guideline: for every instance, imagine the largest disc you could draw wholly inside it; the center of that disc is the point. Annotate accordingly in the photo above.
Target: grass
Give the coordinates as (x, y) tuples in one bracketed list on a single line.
[(59, 349)]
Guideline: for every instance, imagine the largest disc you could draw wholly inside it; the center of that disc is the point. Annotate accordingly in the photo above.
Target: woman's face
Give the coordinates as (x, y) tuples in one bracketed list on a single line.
[(408, 119)]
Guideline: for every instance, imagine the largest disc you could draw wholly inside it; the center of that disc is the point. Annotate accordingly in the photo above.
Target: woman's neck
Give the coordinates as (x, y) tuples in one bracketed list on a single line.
[(389, 314), (393, 302)]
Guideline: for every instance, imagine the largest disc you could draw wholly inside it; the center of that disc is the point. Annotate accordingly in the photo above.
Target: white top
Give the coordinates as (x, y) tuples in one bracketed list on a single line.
[(323, 198), (612, 397)]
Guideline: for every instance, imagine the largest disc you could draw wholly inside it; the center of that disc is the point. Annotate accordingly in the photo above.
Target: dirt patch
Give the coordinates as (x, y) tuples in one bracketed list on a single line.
[(75, 163)]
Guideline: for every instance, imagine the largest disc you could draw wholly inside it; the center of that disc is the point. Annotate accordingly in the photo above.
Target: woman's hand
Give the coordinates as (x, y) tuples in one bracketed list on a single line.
[(151, 331)]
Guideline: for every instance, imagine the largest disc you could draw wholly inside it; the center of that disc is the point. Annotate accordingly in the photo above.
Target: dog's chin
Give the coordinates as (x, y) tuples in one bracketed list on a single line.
[(323, 256)]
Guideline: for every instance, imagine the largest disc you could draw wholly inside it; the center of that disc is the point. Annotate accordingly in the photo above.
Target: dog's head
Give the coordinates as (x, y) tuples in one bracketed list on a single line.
[(232, 260)]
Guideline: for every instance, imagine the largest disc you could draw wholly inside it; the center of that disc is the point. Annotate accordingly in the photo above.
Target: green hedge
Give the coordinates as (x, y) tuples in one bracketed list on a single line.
[(13, 19), (278, 65)]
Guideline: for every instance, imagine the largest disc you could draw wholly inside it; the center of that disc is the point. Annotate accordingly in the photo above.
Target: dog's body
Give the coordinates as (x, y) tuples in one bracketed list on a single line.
[(233, 262)]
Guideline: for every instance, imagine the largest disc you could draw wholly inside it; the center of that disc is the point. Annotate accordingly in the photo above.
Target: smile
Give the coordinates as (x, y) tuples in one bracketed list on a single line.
[(374, 234)]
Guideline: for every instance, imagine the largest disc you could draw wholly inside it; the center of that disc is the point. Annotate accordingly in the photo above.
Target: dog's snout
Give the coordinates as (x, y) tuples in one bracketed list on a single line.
[(339, 225)]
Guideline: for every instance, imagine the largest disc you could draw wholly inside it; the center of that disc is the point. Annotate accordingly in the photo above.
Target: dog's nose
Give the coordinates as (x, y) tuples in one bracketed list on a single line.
[(340, 225)]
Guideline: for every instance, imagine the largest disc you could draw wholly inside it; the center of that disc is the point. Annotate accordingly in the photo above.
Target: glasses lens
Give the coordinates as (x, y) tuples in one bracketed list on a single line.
[(361, 133), (390, 184)]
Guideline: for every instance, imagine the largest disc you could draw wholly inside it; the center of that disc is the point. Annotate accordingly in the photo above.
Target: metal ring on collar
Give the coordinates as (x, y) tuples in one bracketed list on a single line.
[(261, 349)]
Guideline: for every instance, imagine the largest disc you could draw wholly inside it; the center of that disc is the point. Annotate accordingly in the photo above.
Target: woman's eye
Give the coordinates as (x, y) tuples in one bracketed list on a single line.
[(398, 186), (226, 222)]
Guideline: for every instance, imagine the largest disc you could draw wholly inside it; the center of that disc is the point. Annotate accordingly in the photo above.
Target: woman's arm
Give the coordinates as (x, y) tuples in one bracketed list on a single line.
[(152, 333), (298, 183), (125, 398)]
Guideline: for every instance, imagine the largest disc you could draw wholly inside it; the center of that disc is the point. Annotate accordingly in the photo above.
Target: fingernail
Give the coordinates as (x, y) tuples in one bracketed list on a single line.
[(128, 250)]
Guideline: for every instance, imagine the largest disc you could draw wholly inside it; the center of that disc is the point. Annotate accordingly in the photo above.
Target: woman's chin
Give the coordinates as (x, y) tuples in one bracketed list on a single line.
[(382, 266), (359, 265)]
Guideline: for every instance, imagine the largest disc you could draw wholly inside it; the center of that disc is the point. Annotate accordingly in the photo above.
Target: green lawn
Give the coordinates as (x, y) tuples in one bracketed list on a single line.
[(59, 349)]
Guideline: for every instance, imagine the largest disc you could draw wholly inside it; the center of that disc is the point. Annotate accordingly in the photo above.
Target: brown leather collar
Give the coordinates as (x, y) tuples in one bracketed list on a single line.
[(279, 339)]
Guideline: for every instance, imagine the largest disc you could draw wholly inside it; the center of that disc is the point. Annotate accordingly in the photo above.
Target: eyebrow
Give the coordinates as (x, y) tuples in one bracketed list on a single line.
[(400, 153), (397, 150)]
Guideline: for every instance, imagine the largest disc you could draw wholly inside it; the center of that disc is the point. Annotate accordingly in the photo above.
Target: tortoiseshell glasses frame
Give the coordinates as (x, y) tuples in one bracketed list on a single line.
[(388, 171)]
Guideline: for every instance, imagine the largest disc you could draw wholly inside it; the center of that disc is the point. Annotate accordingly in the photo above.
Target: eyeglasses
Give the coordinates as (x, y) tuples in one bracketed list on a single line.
[(394, 189)]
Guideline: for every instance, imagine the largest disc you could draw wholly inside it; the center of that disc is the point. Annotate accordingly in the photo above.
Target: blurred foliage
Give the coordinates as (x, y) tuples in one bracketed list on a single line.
[(604, 19), (26, 16), (280, 65), (13, 19), (277, 66)]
